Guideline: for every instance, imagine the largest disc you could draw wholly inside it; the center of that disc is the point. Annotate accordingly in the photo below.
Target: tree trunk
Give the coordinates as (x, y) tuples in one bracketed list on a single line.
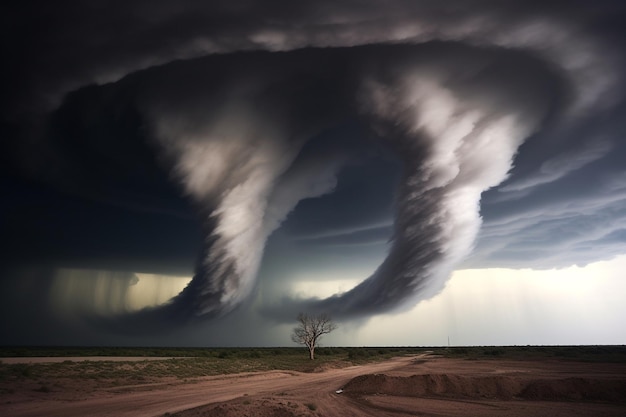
[(311, 353)]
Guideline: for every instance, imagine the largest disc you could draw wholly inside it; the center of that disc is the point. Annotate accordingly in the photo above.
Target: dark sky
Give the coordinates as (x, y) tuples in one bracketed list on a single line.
[(250, 144)]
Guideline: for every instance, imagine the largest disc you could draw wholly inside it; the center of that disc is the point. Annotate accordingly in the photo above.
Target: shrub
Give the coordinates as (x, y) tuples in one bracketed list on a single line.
[(43, 388)]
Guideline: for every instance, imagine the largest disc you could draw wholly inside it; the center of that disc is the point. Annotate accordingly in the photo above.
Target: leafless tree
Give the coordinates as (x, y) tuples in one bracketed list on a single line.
[(310, 329)]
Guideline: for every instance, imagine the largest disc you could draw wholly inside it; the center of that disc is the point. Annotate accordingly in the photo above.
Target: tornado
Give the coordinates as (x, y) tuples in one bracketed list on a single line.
[(454, 115)]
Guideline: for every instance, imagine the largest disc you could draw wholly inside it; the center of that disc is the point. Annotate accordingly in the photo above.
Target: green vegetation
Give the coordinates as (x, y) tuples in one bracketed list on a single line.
[(612, 354), (186, 362)]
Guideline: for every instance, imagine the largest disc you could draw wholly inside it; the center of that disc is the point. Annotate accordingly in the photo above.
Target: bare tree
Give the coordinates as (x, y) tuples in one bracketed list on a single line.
[(310, 329)]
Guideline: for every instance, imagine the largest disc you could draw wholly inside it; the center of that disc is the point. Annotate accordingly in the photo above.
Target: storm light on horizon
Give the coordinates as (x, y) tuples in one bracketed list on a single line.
[(418, 170)]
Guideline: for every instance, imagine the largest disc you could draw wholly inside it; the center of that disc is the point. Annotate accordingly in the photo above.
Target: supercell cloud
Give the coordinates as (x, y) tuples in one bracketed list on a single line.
[(503, 122)]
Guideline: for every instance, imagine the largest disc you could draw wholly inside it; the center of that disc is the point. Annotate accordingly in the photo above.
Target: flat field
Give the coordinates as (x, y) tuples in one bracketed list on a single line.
[(266, 382)]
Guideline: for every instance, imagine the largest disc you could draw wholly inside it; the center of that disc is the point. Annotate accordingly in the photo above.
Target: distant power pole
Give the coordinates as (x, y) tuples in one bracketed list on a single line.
[(448, 341)]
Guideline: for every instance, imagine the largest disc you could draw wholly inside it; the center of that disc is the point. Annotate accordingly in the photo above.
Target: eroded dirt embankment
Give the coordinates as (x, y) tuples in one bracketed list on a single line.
[(490, 387)]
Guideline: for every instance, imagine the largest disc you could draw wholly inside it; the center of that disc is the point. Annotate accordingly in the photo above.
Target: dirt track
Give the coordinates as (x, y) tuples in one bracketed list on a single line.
[(406, 386)]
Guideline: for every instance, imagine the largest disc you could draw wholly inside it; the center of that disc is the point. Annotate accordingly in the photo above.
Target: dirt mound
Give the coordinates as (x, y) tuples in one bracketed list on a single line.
[(435, 385), (578, 389), (489, 387)]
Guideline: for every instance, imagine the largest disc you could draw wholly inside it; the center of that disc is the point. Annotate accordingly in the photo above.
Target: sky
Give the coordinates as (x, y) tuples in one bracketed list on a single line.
[(197, 173)]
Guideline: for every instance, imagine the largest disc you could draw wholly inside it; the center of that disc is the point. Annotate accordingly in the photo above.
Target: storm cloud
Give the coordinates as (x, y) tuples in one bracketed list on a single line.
[(496, 126)]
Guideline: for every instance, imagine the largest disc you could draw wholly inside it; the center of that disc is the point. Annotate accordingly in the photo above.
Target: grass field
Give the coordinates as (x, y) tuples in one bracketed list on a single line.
[(613, 354), (187, 363)]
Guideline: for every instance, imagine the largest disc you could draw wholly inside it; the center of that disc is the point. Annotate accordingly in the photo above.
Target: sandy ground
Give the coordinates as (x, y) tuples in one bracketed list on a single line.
[(408, 386)]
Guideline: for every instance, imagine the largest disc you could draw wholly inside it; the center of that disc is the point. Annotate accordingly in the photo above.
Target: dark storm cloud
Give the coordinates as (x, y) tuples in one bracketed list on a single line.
[(575, 219), (59, 47), (564, 204), (246, 136)]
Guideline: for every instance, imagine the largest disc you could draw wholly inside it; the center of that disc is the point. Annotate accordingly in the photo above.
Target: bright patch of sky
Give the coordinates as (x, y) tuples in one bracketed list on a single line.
[(575, 305), (110, 291)]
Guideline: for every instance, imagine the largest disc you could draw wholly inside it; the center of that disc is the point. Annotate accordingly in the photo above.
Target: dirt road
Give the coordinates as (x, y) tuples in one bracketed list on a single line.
[(158, 399), (408, 386)]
